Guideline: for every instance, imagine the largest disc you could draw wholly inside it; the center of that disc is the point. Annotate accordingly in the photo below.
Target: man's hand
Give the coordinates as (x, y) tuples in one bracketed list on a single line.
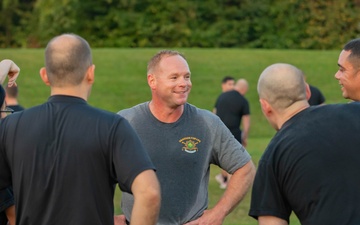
[(209, 217), (9, 69), (119, 220), (236, 190)]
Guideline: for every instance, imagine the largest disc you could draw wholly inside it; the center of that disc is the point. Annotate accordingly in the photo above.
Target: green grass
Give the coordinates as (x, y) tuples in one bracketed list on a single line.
[(121, 76), (121, 83)]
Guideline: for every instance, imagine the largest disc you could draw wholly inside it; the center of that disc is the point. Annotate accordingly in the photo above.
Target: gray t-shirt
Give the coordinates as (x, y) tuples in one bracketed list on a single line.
[(182, 153)]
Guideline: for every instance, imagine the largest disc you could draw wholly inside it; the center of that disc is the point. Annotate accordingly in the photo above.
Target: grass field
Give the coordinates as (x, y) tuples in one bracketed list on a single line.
[(121, 76), (121, 83)]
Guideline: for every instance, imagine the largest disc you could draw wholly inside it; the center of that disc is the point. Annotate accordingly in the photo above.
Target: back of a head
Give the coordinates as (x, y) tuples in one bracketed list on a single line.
[(354, 47), (156, 59), (11, 92), (67, 58), (242, 86), (282, 85)]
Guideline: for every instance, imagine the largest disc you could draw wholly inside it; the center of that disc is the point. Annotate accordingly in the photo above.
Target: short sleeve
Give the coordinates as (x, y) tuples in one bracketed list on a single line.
[(228, 153), (129, 155), (267, 198)]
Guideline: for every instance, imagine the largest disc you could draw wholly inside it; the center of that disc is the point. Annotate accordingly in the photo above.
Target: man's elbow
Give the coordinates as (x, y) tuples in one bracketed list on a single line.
[(154, 196), (249, 171)]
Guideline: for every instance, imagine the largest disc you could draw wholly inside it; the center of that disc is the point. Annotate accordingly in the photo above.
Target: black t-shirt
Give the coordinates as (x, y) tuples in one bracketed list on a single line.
[(16, 108), (231, 106), (64, 158), (312, 167), (316, 97)]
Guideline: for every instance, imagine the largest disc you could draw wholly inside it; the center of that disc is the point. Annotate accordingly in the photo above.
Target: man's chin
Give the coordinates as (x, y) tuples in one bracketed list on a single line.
[(180, 103)]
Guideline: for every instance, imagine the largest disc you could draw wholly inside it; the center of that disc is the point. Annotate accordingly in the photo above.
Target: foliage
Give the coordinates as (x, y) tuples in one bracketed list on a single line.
[(293, 24)]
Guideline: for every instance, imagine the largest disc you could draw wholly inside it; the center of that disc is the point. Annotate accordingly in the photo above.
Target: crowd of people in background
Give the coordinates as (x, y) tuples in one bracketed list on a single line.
[(159, 152)]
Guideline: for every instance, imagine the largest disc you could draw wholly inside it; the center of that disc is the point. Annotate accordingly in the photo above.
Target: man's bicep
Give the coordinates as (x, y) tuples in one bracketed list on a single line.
[(271, 220)]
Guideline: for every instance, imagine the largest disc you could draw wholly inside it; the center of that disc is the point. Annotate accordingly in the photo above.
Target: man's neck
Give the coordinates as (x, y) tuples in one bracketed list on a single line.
[(292, 111), (77, 92), (164, 113), (11, 101)]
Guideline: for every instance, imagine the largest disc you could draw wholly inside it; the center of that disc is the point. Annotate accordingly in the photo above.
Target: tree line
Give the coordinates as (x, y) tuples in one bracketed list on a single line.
[(281, 24)]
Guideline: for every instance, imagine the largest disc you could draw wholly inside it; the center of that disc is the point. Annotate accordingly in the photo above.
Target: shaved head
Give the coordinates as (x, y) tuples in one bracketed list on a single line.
[(242, 86), (281, 85), (67, 58)]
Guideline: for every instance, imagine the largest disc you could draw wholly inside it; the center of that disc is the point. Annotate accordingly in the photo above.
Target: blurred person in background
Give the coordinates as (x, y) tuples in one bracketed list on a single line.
[(11, 98), (227, 83), (233, 109)]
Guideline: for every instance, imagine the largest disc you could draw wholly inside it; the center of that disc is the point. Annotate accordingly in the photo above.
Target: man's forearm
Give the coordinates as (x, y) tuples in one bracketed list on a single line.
[(238, 186), (147, 198), (10, 214)]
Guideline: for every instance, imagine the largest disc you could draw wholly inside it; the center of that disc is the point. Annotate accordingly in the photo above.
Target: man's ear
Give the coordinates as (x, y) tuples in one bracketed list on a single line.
[(44, 76), (265, 107), (90, 74), (151, 80), (308, 92)]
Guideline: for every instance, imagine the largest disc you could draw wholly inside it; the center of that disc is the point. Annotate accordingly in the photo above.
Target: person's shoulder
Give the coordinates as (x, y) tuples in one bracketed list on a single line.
[(132, 111), (346, 112), (16, 108), (32, 109), (192, 109), (338, 107), (346, 107), (229, 93)]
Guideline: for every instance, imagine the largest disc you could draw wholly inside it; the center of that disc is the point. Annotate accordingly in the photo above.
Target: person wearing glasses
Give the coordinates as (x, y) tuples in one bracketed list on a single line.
[(8, 69)]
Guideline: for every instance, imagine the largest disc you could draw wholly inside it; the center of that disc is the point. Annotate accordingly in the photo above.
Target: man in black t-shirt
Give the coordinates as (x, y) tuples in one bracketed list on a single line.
[(311, 165), (63, 158), (233, 109)]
